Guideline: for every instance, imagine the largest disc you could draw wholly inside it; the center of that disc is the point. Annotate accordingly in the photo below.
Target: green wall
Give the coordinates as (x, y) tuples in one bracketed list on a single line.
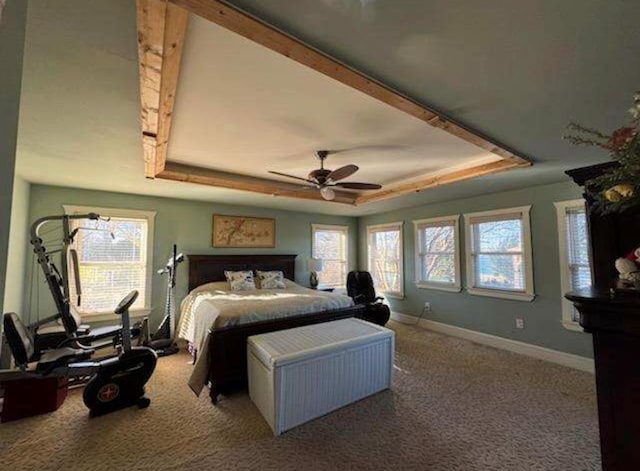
[(12, 28), (20, 247), (543, 316), (188, 224)]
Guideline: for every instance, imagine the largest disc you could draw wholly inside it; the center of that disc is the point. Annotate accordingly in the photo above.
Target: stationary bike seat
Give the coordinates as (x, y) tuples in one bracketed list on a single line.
[(126, 302)]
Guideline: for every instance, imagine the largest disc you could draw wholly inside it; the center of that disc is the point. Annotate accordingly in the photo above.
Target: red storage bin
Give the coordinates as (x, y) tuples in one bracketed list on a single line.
[(33, 396)]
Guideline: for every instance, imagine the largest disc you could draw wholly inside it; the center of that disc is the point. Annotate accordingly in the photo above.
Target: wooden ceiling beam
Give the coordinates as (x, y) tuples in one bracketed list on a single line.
[(204, 176), (392, 191), (161, 31), (251, 28)]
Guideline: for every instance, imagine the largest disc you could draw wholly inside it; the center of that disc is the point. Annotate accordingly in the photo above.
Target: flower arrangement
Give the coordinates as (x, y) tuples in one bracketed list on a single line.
[(619, 188)]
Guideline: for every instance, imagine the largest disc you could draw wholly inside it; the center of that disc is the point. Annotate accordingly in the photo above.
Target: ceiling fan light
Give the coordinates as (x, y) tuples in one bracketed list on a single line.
[(327, 193)]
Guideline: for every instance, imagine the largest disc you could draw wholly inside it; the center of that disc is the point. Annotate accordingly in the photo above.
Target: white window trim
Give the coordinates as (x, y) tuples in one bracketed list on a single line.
[(528, 293), (565, 276), (455, 287), (392, 226), (332, 227), (150, 216)]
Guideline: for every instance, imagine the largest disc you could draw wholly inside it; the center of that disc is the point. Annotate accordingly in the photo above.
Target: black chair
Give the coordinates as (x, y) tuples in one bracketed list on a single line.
[(360, 288)]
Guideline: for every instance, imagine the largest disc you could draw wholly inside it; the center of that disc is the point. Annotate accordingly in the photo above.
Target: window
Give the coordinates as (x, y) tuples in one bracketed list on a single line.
[(499, 261), (329, 243), (114, 257), (385, 258), (575, 263), (438, 253)]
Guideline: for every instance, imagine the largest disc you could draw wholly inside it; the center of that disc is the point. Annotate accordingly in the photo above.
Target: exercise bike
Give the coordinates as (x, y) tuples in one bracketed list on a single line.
[(115, 382), (163, 340)]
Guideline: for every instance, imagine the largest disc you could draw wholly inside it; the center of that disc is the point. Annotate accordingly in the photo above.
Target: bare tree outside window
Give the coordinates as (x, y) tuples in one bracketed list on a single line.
[(385, 258), (330, 245), (499, 254), (437, 254), (498, 249), (112, 261)]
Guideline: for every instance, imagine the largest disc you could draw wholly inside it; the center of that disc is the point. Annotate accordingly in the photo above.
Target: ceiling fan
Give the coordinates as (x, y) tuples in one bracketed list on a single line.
[(324, 179)]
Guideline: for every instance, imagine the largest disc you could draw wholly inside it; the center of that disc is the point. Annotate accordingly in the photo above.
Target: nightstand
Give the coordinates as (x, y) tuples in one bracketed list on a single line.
[(377, 313)]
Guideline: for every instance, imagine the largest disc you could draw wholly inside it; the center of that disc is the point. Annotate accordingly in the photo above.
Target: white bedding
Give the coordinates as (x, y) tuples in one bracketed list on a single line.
[(213, 305)]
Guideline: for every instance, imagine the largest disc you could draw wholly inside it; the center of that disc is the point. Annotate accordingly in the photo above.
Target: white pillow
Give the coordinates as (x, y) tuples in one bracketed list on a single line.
[(240, 280), (271, 279)]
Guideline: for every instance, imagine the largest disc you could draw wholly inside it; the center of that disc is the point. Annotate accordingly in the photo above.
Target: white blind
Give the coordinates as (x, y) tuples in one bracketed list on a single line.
[(578, 260), (436, 252), (498, 252), (385, 258), (330, 245), (508, 216), (112, 259), (578, 248)]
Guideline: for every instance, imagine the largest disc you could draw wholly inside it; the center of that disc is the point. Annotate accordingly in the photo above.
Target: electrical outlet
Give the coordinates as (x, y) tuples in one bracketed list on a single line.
[(519, 323), (427, 307)]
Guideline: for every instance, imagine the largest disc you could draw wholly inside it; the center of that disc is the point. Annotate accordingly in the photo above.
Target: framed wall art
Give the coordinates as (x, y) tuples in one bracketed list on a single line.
[(243, 232)]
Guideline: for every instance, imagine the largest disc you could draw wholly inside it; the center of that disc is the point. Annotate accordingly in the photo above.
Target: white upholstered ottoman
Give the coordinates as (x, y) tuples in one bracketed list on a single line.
[(299, 374)]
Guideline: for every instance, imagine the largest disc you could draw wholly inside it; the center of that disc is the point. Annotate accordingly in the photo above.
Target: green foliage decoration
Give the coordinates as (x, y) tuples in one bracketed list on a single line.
[(618, 189)]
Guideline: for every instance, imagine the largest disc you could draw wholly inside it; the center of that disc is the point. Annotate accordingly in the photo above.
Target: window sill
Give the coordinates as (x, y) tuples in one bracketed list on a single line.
[(392, 295), (494, 293), (574, 326), (443, 287), (112, 316)]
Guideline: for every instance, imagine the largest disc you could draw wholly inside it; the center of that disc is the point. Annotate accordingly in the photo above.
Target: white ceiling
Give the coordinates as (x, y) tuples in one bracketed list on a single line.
[(243, 108), (79, 116)]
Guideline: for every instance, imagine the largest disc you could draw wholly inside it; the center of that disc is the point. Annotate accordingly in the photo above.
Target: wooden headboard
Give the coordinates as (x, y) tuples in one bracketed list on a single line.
[(209, 268)]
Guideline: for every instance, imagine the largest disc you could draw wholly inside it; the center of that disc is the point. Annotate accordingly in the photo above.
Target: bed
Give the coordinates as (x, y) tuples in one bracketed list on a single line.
[(220, 338)]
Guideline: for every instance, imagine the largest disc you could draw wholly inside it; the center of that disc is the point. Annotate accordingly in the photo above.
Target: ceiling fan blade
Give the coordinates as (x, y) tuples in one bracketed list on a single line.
[(342, 172), (292, 176), (359, 186)]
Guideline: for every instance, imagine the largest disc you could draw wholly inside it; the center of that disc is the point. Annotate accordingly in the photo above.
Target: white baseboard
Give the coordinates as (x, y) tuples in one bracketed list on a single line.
[(566, 359)]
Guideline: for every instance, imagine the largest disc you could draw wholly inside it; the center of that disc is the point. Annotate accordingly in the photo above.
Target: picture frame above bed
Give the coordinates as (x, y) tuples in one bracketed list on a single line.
[(243, 232)]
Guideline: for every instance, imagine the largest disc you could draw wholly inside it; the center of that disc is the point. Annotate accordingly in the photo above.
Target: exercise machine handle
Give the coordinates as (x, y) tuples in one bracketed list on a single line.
[(126, 302), (123, 310)]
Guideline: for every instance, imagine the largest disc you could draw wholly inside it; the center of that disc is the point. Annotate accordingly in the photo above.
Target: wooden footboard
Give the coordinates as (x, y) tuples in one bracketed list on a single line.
[(227, 355)]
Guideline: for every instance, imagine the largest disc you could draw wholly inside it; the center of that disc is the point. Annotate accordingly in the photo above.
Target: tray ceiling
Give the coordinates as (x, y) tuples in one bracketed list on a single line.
[(506, 74), (245, 109)]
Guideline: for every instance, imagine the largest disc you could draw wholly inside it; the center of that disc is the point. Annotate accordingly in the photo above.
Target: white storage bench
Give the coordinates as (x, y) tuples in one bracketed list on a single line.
[(299, 374)]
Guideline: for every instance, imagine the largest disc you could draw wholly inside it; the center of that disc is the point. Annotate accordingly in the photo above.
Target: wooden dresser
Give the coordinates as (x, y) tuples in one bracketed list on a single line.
[(613, 319)]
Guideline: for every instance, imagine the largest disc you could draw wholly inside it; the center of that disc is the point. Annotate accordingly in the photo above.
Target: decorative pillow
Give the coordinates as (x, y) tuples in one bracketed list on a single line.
[(271, 279), (240, 280)]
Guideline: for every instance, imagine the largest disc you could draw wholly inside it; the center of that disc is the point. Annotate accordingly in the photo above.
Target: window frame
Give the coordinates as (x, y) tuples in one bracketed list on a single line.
[(563, 253), (528, 294), (331, 227), (391, 226), (149, 216), (418, 226)]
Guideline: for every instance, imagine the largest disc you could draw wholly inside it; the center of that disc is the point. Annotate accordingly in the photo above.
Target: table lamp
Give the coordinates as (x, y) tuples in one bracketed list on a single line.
[(315, 265)]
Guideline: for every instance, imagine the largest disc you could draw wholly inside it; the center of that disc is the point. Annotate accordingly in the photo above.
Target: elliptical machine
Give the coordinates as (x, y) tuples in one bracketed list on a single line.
[(115, 382), (163, 340)]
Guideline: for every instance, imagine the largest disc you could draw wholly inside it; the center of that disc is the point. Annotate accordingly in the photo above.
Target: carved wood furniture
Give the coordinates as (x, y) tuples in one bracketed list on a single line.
[(613, 318), (228, 345)]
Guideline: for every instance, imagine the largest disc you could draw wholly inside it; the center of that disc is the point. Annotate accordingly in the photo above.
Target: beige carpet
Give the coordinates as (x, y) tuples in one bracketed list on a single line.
[(454, 406)]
